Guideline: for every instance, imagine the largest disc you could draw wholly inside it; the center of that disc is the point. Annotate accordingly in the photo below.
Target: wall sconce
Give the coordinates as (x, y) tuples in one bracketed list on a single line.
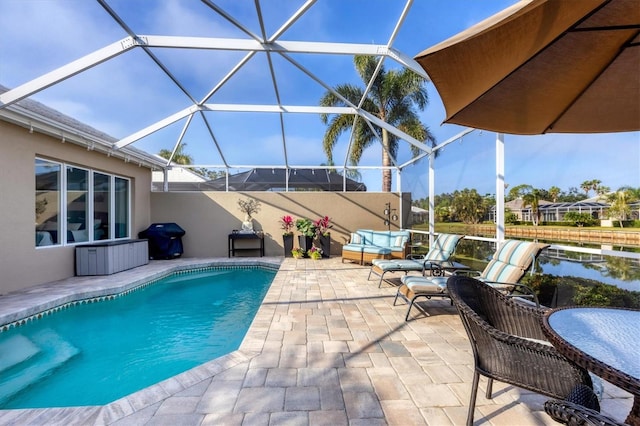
[(389, 214)]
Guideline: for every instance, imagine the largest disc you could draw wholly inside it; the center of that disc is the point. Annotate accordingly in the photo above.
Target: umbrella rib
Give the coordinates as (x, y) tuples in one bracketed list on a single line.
[(608, 28), (624, 45)]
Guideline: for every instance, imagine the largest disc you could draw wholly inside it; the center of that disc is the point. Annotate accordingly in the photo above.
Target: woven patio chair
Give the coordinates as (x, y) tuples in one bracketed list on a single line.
[(509, 345), (571, 414)]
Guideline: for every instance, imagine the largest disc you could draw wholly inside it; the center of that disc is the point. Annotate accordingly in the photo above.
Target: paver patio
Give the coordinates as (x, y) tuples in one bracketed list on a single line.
[(327, 347)]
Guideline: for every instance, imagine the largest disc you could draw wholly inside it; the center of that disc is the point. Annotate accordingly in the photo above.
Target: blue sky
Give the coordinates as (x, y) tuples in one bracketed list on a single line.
[(129, 92)]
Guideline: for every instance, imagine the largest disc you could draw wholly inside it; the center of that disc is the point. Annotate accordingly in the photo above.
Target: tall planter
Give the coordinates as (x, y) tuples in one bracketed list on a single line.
[(305, 243), (288, 245), (325, 245)]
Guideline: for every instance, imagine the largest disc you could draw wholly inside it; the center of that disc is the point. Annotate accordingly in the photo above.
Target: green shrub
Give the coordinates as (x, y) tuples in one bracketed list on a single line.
[(511, 218), (579, 219), (555, 291)]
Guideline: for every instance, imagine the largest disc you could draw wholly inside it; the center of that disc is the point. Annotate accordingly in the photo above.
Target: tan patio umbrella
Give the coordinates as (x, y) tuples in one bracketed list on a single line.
[(544, 66)]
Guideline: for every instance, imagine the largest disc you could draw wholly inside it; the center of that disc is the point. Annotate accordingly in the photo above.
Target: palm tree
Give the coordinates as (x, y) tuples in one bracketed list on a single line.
[(393, 98), (586, 187), (530, 197), (620, 200), (179, 157), (554, 191)]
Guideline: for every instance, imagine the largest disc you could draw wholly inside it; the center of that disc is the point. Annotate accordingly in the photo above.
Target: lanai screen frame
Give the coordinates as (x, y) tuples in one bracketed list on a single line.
[(270, 45)]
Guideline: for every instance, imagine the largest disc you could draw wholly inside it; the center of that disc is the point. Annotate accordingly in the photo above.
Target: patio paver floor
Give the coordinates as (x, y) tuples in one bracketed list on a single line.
[(327, 347)]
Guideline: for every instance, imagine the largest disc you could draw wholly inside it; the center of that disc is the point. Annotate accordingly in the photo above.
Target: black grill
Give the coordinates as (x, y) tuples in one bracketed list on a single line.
[(165, 240)]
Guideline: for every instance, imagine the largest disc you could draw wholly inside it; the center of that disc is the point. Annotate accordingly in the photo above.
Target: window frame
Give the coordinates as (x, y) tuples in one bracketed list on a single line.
[(63, 211)]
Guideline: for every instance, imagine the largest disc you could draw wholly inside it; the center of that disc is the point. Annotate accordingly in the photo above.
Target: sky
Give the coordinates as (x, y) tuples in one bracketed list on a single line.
[(129, 92)]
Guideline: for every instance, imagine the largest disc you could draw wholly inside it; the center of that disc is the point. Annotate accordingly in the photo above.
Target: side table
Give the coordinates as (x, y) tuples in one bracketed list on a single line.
[(233, 237)]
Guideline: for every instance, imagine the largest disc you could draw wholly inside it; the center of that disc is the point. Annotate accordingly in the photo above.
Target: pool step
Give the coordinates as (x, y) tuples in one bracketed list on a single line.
[(16, 350), (54, 352)]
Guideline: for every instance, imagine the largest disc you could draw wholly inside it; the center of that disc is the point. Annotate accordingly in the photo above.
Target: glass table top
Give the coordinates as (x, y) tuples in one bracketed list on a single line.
[(612, 336)]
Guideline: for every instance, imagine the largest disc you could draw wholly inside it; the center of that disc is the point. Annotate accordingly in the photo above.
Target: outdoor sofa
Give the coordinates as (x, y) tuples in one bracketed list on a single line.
[(366, 245)]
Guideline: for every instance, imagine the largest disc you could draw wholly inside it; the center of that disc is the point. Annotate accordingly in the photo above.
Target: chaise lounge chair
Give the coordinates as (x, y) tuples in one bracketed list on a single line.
[(507, 266), (441, 251)]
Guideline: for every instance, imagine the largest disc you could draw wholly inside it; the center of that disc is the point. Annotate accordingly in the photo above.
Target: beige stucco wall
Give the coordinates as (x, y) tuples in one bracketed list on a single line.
[(21, 264), (209, 217)]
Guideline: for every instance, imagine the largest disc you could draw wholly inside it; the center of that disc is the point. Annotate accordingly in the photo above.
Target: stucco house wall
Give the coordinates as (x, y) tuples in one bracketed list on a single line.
[(21, 264), (209, 217)]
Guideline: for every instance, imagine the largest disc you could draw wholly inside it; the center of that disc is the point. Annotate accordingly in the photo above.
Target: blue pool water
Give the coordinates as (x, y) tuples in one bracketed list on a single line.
[(95, 353)]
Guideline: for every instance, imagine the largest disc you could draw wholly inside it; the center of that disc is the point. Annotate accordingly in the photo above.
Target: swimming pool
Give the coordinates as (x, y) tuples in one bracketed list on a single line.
[(95, 353)]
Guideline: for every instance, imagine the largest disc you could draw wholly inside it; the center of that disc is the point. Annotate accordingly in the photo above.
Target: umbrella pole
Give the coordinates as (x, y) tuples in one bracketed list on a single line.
[(500, 231), (432, 191)]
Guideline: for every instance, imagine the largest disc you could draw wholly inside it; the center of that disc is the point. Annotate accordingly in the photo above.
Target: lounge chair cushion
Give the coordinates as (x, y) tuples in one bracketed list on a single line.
[(396, 264), (443, 247), (518, 253), (510, 261), (435, 285), (500, 272)]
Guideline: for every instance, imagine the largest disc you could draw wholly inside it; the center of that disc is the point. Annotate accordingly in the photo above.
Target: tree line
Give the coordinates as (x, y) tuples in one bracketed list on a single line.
[(468, 206)]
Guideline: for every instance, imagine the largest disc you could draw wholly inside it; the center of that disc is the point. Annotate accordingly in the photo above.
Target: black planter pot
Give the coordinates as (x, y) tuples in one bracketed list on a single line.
[(305, 243), (288, 245), (325, 245)]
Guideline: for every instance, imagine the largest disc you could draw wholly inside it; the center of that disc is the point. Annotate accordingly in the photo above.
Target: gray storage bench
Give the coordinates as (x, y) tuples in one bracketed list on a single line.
[(110, 257)]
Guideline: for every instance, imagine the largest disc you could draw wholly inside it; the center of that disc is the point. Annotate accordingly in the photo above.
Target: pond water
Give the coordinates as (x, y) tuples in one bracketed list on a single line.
[(621, 271)]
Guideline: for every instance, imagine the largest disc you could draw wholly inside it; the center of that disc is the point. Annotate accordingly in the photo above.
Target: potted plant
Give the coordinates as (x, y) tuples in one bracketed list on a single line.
[(287, 224), (297, 253), (248, 207), (324, 236), (307, 229), (314, 253)]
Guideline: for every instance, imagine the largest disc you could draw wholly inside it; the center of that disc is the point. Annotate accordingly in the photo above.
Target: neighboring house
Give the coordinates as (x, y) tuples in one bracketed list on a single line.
[(176, 178), (554, 212), (419, 215)]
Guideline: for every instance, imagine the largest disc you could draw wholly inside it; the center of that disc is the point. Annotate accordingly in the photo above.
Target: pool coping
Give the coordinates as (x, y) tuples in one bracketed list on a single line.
[(55, 295)]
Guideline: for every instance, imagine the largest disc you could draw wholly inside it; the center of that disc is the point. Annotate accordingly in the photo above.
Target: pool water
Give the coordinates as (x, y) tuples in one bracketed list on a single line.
[(96, 353)]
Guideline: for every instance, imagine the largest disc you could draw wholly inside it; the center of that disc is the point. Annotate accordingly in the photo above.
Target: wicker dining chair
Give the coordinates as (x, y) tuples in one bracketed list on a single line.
[(508, 343), (571, 414)]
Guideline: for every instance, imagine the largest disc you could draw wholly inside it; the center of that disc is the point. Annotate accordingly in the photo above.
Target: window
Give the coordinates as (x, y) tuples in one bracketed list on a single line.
[(101, 206), (121, 208), (47, 202), (77, 206), (94, 206)]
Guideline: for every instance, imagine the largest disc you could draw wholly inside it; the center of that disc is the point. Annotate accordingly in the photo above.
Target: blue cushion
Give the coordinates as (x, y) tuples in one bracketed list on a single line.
[(398, 264), (377, 250), (381, 239), (353, 247), (366, 236), (433, 285)]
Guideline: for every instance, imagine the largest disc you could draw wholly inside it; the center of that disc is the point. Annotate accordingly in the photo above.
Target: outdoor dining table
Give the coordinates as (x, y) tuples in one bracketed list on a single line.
[(605, 341)]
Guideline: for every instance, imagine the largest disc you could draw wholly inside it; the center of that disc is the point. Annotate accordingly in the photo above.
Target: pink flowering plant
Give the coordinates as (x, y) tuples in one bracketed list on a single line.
[(314, 252), (297, 253), (323, 225), (287, 223)]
